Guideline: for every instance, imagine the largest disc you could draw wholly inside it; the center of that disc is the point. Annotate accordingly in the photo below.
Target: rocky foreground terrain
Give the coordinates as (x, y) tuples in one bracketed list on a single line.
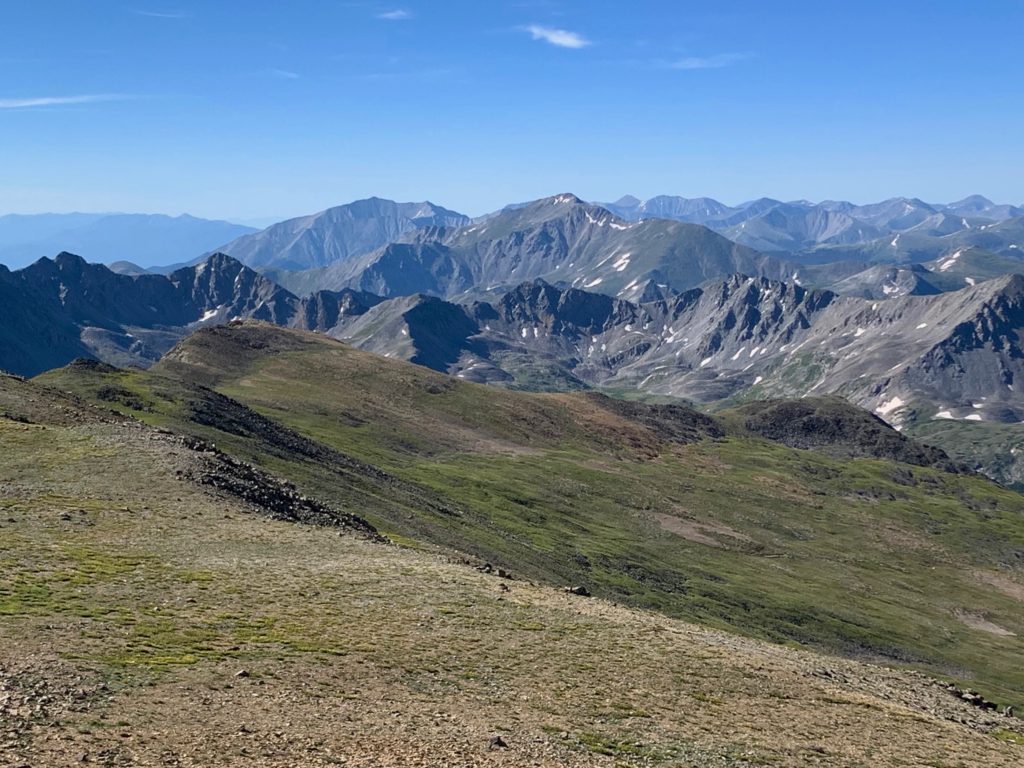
[(167, 601), (168, 623)]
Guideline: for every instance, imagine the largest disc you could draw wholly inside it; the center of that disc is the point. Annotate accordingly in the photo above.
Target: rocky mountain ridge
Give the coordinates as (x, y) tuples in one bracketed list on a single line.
[(956, 354), (560, 239)]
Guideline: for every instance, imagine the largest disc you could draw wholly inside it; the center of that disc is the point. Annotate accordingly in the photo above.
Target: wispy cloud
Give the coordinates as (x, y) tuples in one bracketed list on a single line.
[(60, 101), (398, 14), (283, 74), (717, 61), (561, 37), (161, 14)]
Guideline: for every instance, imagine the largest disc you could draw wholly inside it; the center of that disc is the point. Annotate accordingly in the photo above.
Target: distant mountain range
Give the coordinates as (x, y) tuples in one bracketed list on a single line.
[(737, 337), (920, 327), (142, 240), (560, 239), (794, 227), (568, 242), (399, 248), (916, 359), (337, 233)]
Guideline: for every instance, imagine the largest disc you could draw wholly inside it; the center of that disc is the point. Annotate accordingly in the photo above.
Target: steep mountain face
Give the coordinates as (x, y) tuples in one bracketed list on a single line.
[(421, 329), (145, 240), (60, 309), (560, 240), (324, 311), (34, 334), (337, 234)]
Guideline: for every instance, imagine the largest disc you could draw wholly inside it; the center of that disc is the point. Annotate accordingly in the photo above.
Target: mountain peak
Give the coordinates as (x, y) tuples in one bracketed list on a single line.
[(65, 257), (566, 198), (220, 259), (975, 205)]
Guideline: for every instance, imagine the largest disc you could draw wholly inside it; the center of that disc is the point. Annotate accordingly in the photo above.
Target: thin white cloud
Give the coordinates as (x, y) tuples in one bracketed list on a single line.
[(398, 14), (161, 14), (283, 74), (60, 101), (560, 37), (717, 61)]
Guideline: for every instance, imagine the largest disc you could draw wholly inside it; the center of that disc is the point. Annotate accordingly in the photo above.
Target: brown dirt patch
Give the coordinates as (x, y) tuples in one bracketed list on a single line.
[(980, 623), (1004, 584), (708, 533)]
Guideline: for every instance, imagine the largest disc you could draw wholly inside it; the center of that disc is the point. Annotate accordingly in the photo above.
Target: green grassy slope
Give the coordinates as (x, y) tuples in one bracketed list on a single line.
[(146, 619), (864, 557)]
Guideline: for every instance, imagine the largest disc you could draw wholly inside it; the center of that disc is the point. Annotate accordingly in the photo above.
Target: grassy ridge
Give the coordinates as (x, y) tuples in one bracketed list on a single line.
[(116, 571), (863, 557)]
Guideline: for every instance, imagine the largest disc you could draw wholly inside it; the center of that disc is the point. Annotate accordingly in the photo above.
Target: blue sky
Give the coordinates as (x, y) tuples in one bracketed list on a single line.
[(259, 109)]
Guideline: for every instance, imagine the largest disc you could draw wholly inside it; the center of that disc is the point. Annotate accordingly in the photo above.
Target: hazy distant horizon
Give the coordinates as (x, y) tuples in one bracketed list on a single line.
[(261, 222)]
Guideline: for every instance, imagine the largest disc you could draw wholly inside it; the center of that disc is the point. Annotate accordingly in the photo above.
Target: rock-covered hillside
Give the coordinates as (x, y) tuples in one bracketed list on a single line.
[(58, 309), (956, 354)]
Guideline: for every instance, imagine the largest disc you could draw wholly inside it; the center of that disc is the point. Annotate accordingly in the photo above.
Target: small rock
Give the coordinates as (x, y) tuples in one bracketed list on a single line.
[(497, 743)]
